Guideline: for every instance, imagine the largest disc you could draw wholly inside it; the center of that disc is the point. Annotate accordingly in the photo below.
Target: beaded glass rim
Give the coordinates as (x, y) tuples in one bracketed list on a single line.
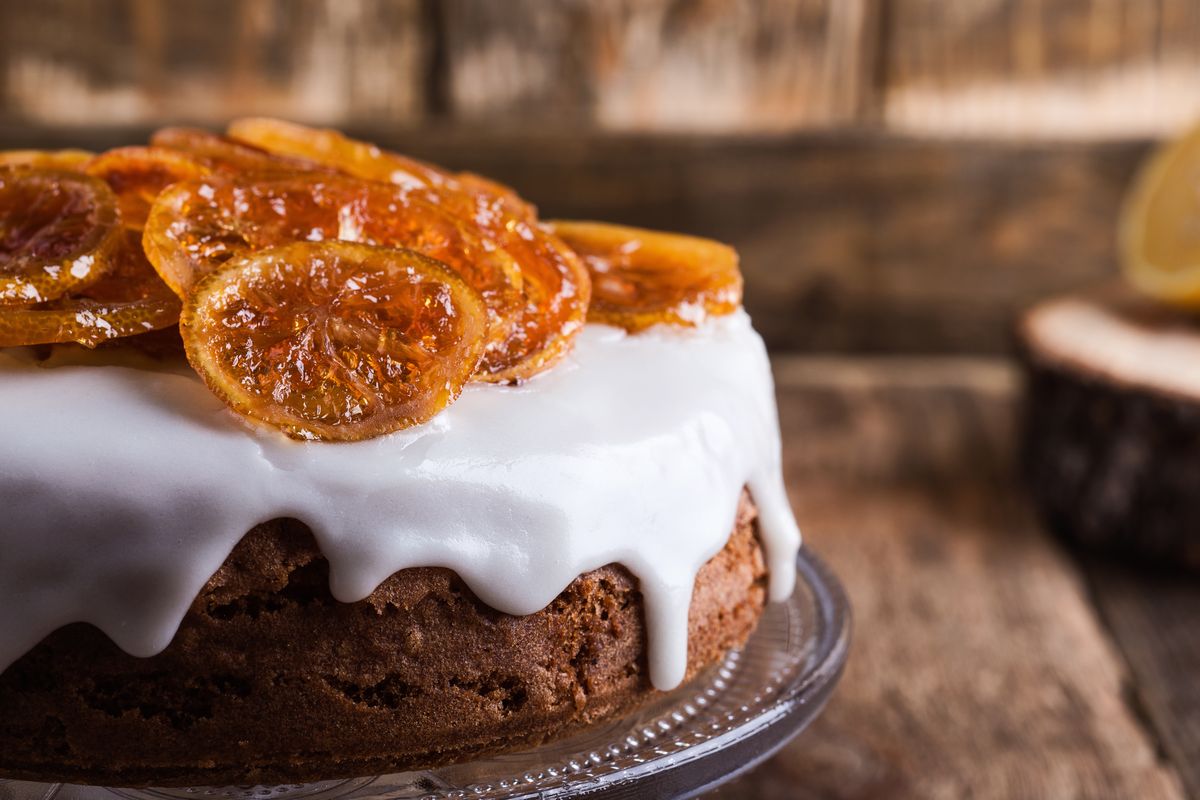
[(717, 726)]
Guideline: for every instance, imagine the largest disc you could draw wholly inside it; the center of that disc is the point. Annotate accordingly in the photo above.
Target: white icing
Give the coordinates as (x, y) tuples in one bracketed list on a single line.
[(123, 489)]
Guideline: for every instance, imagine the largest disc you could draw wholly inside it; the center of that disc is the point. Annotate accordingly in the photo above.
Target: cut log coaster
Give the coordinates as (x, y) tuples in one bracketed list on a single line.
[(1111, 436)]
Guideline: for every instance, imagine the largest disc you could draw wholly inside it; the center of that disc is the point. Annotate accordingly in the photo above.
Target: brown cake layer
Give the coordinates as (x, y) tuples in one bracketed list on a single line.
[(270, 680)]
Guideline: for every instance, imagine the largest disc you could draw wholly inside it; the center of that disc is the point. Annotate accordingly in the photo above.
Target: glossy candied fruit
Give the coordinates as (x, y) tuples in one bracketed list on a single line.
[(641, 278), (334, 149), (69, 160), (555, 286), (197, 225), (225, 154), (335, 341), (480, 199), (129, 301), (138, 174), (59, 232)]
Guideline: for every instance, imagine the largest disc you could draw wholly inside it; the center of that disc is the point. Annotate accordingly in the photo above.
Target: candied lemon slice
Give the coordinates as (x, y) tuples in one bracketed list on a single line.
[(555, 284), (69, 160), (1159, 231), (474, 196), (129, 301), (58, 233), (335, 341), (334, 149), (227, 154), (641, 278), (197, 225), (139, 174)]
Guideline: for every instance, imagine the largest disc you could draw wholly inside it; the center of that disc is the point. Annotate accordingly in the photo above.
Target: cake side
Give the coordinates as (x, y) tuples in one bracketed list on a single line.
[(271, 680)]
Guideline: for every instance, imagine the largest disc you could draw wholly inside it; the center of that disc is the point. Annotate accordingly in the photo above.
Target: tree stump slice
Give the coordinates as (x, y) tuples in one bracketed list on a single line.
[(1111, 434)]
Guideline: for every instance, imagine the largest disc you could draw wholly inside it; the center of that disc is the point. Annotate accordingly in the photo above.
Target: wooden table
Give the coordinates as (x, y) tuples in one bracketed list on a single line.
[(987, 660)]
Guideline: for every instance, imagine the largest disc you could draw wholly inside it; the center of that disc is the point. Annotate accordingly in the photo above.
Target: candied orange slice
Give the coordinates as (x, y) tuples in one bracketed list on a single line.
[(472, 196), (58, 233), (555, 290), (334, 149), (227, 154), (196, 225), (555, 285), (641, 278), (129, 301), (69, 160), (335, 341), (138, 174)]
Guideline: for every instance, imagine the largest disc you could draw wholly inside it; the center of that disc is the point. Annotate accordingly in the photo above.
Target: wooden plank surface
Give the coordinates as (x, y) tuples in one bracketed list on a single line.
[(979, 667), (755, 65), (1079, 69), (1156, 617), (85, 63)]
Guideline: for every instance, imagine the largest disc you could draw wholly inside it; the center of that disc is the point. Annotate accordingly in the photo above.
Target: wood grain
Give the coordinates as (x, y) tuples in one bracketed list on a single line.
[(1113, 422), (697, 65), (1154, 614), (978, 669), (1079, 69), (115, 62)]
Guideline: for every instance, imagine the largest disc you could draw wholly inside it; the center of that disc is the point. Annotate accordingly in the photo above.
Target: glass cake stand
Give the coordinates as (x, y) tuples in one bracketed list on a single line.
[(709, 731)]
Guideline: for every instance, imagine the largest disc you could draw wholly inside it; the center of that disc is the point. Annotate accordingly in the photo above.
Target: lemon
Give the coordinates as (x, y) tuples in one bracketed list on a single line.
[(1159, 233)]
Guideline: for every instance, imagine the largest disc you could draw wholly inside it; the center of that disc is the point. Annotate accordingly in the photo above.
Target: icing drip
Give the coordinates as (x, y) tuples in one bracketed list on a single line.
[(124, 489)]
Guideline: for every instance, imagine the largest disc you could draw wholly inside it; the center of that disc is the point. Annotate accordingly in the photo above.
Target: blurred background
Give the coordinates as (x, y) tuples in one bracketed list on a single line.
[(902, 178)]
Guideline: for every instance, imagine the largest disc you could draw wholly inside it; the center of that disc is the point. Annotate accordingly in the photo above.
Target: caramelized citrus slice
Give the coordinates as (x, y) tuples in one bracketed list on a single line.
[(555, 285), (69, 160), (335, 340), (197, 225), (138, 174), (484, 201), (226, 154), (58, 233), (130, 300), (334, 149), (641, 278)]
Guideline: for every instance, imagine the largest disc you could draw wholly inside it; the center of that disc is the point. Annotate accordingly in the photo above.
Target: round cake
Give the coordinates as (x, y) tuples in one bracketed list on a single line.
[(428, 478), (271, 680)]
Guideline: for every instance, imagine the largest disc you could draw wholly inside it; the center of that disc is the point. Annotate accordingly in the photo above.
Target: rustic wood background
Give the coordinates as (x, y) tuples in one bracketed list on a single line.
[(902, 177), (1060, 69)]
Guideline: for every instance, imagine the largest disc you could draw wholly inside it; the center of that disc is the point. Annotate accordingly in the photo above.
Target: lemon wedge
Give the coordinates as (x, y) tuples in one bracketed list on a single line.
[(1159, 233)]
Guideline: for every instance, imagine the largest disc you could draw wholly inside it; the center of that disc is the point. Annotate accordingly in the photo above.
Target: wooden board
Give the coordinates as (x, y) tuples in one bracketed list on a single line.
[(118, 62), (1110, 447), (1156, 617), (1079, 69), (1067, 69), (758, 65), (979, 667)]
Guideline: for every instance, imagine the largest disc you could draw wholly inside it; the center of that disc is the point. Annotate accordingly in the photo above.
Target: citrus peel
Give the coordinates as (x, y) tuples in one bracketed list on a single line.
[(129, 301), (58, 233), (642, 278), (335, 341), (138, 174)]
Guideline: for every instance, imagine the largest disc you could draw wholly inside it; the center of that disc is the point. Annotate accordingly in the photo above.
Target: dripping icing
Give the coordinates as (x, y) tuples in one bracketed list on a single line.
[(633, 451)]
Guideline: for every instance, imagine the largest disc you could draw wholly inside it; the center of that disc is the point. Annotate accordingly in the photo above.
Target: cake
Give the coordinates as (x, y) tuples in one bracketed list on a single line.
[(385, 501)]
